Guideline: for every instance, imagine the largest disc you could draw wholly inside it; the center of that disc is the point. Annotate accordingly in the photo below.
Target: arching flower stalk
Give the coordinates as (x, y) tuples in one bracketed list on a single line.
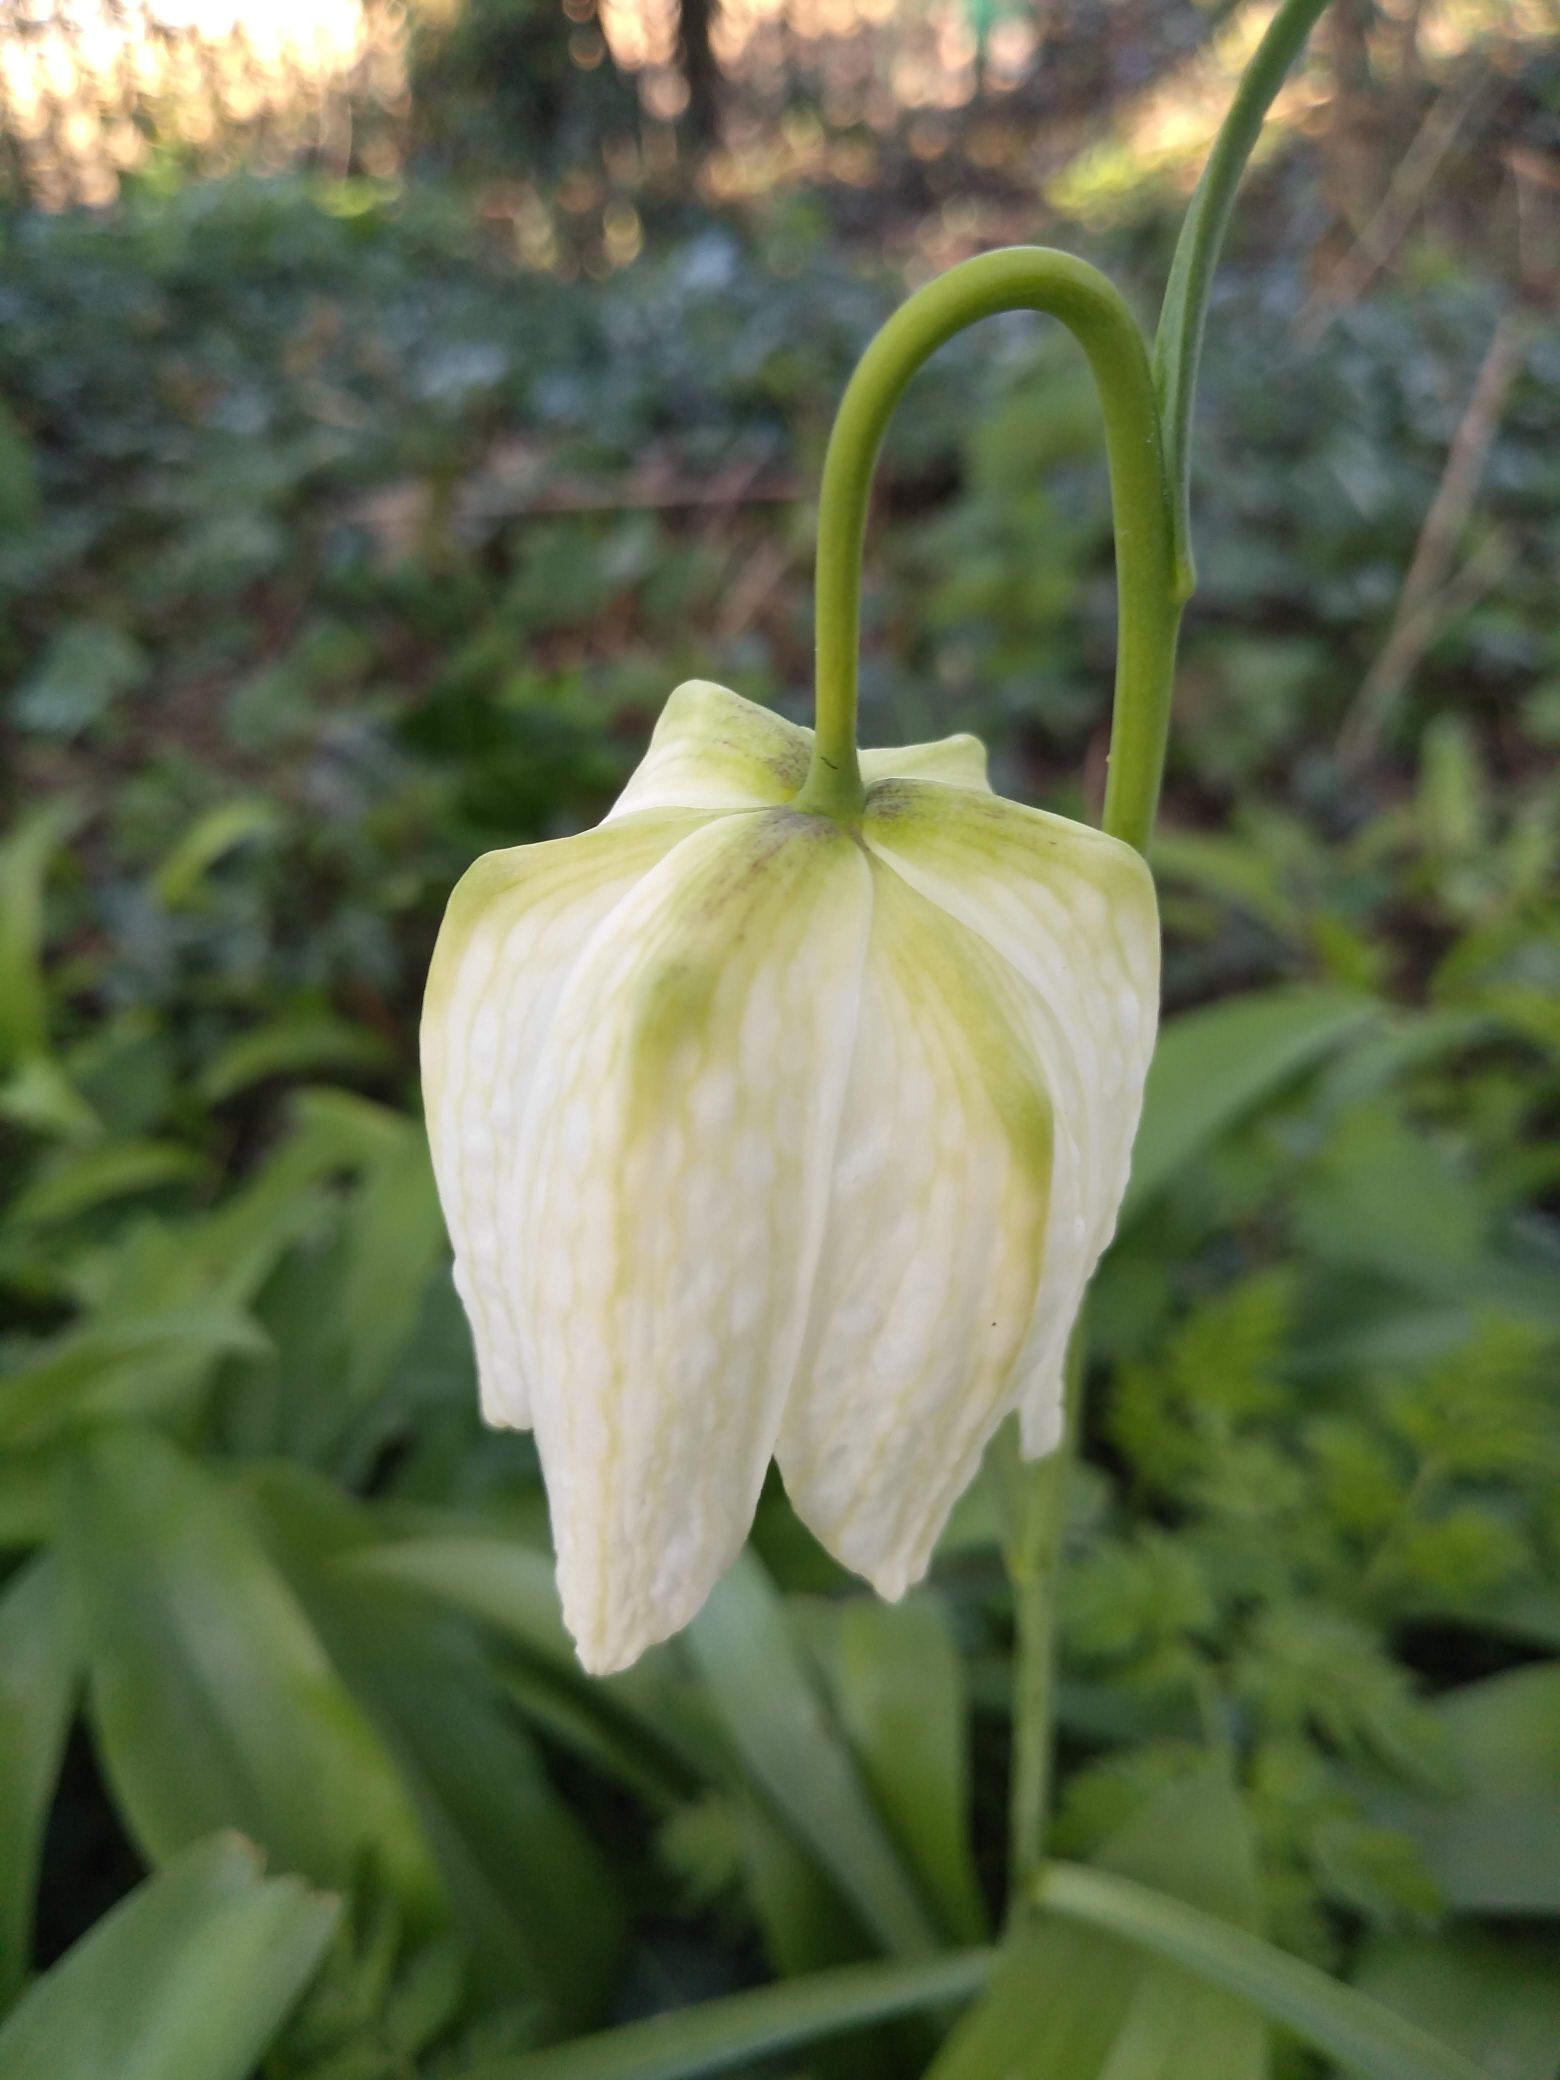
[(762, 1133), (787, 1113)]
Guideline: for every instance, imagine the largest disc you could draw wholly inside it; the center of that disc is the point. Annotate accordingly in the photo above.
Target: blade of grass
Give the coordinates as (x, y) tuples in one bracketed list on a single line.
[(1359, 2033), (761, 1687), (719, 2035)]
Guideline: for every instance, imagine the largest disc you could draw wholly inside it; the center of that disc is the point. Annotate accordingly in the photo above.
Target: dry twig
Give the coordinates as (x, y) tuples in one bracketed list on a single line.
[(1384, 230), (1430, 594)]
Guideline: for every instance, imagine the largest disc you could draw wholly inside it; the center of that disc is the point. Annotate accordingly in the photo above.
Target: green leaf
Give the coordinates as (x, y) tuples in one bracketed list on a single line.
[(395, 1243), (177, 880), (39, 1671), (807, 1926), (77, 1180), (295, 1043), (900, 1685), (1528, 1611), (499, 1579), (1070, 2004), (1402, 1044), (1383, 1196), (510, 1587), (39, 1097), (187, 1979), (527, 1885), (1497, 2000), (118, 1369), (87, 667), (1215, 1066), (561, 1711), (338, 1130), (721, 2036), (212, 1698), (24, 861), (27, 1495), (765, 1696), (1495, 1849), (1361, 2035), (1232, 870)]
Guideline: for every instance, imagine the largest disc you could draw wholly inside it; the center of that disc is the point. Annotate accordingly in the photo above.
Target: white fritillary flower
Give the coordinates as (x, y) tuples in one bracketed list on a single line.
[(761, 1134)]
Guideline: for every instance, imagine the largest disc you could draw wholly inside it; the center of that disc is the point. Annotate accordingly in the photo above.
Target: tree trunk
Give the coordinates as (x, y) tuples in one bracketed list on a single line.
[(701, 74)]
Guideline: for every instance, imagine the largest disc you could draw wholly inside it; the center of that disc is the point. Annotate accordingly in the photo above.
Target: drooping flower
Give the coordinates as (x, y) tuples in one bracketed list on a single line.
[(762, 1134)]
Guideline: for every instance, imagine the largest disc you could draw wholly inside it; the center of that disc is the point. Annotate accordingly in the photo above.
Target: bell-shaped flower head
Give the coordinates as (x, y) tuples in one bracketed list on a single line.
[(762, 1134)]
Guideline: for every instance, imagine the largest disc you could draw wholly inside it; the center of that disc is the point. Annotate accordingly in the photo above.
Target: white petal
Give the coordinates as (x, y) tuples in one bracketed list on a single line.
[(514, 930), (713, 750), (668, 1208), (955, 761), (932, 1254), (1073, 912)]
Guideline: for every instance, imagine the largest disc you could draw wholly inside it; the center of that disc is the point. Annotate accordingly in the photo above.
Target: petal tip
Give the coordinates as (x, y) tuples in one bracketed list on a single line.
[(611, 1637), (713, 750), (1040, 1426), (596, 1658)]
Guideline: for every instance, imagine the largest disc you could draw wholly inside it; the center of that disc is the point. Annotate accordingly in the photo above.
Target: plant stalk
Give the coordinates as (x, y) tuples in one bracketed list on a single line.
[(1148, 417), (1184, 313), (1149, 585)]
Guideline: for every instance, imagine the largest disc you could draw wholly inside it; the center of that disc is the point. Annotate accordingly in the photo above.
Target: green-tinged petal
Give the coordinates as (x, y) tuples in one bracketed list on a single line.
[(955, 761), (667, 1208), (712, 750), (1073, 913), (933, 1252), (515, 928)]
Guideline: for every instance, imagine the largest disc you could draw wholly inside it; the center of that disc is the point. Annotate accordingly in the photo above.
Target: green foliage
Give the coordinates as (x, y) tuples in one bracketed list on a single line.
[(1298, 1529), (1073, 2001), (333, 551), (190, 1975)]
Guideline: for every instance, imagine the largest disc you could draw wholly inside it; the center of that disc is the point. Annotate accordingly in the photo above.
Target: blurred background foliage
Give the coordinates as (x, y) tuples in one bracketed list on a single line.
[(395, 403)]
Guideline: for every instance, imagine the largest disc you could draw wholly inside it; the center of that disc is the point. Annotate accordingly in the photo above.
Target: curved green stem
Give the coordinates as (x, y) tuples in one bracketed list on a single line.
[(1178, 344), (1149, 584)]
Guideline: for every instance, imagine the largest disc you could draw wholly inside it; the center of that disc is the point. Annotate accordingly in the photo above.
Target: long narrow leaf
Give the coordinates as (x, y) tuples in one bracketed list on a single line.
[(38, 1678), (526, 1883), (1497, 1999), (188, 1979), (118, 1368), (24, 862), (213, 1699), (745, 2027), (77, 1180), (1068, 2003), (510, 1587), (765, 1695), (807, 1925), (1494, 1848), (900, 1684), (1360, 2034), (1216, 1065), (529, 1888)]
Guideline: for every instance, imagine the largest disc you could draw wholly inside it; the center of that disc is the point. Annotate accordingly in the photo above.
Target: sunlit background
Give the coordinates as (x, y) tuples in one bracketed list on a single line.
[(95, 91)]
